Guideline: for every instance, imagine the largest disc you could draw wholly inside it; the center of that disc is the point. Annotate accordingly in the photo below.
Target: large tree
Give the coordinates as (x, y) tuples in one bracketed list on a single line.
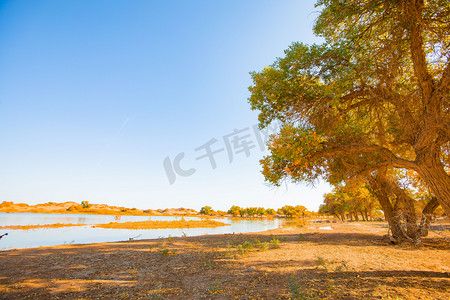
[(375, 95)]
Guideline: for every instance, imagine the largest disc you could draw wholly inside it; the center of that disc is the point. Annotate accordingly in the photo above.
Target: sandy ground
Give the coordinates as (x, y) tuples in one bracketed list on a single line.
[(352, 261)]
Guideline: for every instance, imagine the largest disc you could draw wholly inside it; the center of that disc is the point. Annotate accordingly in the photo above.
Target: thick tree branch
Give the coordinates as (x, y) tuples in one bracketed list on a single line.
[(443, 87), (414, 12), (389, 157)]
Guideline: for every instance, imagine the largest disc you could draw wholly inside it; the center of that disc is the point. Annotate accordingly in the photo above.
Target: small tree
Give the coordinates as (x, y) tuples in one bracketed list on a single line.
[(300, 211), (251, 211), (206, 210), (234, 210), (270, 211), (242, 212), (288, 210), (85, 204), (261, 211)]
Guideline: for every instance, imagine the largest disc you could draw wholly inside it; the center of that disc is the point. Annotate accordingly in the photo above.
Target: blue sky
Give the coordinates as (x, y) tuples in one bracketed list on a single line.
[(95, 95)]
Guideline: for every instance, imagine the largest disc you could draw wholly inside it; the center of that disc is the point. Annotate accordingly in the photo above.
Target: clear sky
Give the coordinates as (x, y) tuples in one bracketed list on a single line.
[(96, 95)]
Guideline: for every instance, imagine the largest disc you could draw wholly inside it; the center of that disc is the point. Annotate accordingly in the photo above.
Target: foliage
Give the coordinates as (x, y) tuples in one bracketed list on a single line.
[(234, 210), (287, 210), (164, 251), (261, 211), (321, 262), (264, 246), (6, 204), (294, 211), (270, 211), (247, 245), (85, 204), (251, 211), (206, 210), (242, 211), (75, 208), (275, 242), (349, 200), (374, 96), (298, 291)]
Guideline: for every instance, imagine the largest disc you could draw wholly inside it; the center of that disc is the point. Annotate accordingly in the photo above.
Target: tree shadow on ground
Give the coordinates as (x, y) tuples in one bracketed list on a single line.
[(209, 267)]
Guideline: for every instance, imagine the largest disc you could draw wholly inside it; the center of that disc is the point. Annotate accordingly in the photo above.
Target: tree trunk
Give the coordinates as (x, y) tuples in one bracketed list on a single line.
[(409, 211), (433, 173), (426, 216), (362, 216), (392, 218), (403, 206), (379, 188)]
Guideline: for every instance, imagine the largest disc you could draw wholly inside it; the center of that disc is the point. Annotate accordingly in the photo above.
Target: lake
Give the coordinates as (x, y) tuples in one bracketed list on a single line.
[(86, 234)]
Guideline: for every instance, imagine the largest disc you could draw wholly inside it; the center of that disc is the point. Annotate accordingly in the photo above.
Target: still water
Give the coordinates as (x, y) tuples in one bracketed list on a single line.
[(87, 234)]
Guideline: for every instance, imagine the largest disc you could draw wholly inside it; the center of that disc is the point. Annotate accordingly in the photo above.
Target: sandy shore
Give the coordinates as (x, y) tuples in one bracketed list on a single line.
[(129, 225), (352, 261)]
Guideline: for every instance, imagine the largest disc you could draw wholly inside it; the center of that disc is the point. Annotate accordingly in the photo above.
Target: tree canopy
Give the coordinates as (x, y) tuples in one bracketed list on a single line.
[(206, 210), (373, 98), (351, 200)]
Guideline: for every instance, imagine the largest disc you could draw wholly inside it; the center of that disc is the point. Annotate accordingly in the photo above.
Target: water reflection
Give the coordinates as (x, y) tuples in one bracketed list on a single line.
[(39, 219), (87, 234)]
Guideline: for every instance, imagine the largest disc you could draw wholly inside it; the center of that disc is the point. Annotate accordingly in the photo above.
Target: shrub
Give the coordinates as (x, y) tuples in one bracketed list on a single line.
[(264, 246), (321, 262), (85, 204), (206, 210), (75, 207), (298, 291), (6, 204), (247, 245), (275, 242)]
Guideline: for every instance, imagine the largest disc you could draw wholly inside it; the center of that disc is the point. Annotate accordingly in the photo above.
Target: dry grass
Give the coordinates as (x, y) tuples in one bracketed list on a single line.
[(349, 262)]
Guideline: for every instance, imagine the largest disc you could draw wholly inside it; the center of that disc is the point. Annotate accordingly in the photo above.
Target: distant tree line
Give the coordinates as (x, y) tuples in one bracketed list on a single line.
[(252, 212), (350, 202)]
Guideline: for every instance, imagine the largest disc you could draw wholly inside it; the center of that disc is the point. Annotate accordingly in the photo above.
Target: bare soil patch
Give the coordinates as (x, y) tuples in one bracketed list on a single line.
[(352, 261)]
